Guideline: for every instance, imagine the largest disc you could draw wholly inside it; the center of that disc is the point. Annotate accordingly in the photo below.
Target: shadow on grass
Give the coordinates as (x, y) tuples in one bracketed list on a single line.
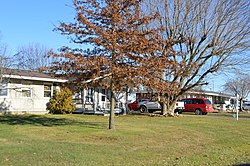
[(39, 120)]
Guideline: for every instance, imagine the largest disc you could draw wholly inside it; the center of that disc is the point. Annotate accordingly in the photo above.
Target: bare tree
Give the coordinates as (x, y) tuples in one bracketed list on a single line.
[(33, 57), (201, 37), (112, 30), (239, 86), (6, 61)]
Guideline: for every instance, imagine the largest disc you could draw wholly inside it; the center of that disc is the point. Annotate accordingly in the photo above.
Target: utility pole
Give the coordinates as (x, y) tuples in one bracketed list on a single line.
[(237, 110)]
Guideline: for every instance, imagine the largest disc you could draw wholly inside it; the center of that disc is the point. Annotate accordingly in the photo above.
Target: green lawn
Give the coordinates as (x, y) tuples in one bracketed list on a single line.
[(137, 140), (231, 114)]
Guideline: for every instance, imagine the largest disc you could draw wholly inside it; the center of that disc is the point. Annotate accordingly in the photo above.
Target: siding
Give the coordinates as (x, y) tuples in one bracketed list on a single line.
[(14, 102)]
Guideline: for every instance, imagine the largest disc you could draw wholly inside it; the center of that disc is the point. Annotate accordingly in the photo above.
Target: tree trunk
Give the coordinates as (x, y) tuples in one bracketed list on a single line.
[(164, 108), (112, 109), (172, 107), (164, 105), (241, 104), (168, 106), (126, 102)]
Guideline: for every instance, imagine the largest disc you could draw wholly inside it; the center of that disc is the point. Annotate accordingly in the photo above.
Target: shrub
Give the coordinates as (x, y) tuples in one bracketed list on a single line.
[(61, 102)]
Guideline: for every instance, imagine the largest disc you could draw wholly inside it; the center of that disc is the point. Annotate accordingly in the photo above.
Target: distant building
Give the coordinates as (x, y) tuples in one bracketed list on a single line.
[(220, 101), (214, 97)]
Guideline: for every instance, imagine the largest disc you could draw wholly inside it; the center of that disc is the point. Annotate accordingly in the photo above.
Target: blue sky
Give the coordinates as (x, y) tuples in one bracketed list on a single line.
[(32, 21), (24, 22)]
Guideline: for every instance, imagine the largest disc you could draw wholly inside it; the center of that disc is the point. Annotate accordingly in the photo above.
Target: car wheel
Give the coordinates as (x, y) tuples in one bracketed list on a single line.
[(178, 111), (198, 112), (143, 109)]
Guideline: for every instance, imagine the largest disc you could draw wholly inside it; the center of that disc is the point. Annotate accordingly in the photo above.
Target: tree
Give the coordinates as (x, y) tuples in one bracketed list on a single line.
[(3, 60), (6, 61), (116, 40), (201, 37), (239, 86), (61, 102), (33, 57)]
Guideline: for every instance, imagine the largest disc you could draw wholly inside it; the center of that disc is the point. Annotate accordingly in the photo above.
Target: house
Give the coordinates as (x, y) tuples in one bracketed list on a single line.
[(214, 97), (96, 100), (221, 101), (23, 91)]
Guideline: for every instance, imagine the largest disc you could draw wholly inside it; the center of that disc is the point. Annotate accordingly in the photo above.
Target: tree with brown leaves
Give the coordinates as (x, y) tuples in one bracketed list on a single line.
[(117, 44)]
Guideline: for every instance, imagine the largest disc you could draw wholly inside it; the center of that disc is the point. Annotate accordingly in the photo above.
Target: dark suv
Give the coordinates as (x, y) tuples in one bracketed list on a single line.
[(201, 106)]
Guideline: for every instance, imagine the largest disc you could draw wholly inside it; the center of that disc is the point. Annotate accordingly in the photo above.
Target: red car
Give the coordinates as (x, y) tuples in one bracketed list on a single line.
[(134, 105), (201, 106)]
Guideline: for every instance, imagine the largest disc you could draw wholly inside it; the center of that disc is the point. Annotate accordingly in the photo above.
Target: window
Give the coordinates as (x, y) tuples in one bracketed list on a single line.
[(200, 101), (47, 90), (26, 89), (103, 94), (89, 97), (208, 101), (3, 88), (195, 101)]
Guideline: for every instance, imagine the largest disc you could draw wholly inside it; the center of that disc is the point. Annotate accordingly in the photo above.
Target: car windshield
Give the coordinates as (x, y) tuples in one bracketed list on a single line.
[(208, 101)]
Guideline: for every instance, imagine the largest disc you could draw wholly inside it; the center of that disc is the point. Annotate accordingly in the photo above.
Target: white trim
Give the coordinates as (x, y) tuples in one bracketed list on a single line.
[(97, 78), (89, 98), (51, 89), (208, 93), (34, 78)]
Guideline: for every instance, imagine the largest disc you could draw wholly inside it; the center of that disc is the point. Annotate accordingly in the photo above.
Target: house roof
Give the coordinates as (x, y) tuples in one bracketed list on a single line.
[(200, 92), (29, 75), (212, 93)]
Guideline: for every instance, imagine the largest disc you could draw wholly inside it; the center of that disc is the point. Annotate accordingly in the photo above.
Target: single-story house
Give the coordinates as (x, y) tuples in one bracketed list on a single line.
[(221, 101), (23, 91), (214, 97)]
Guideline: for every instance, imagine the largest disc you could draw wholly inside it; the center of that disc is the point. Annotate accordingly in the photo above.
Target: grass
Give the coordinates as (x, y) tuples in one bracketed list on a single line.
[(245, 114), (137, 140)]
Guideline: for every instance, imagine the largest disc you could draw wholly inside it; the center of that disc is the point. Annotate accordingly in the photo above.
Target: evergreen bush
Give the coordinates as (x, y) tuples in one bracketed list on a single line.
[(61, 102)]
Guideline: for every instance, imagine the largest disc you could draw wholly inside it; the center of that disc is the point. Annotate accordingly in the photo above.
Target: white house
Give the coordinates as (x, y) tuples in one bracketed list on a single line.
[(23, 91), (214, 97), (221, 101), (96, 100)]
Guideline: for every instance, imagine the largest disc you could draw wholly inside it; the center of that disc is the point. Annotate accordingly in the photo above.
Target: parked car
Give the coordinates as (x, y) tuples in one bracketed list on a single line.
[(151, 106), (246, 106), (200, 106), (134, 105)]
